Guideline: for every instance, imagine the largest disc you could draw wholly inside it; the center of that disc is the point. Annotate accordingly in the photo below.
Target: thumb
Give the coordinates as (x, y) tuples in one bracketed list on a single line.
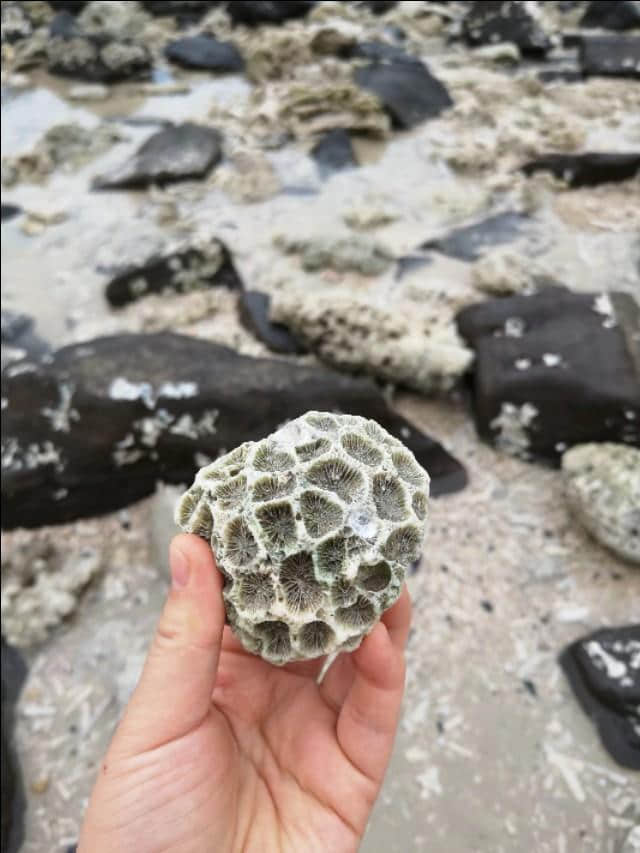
[(173, 695)]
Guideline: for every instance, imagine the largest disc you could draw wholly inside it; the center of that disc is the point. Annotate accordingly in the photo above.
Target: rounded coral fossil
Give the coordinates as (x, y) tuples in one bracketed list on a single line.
[(313, 528)]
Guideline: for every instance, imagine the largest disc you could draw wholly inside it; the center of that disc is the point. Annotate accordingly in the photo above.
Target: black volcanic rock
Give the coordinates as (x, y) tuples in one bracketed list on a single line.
[(334, 152), (602, 669), (608, 55), (554, 369), (493, 21), (254, 314), (98, 425), (468, 242), (252, 13), (588, 169), (612, 14), (407, 89), (175, 153), (13, 800), (205, 52)]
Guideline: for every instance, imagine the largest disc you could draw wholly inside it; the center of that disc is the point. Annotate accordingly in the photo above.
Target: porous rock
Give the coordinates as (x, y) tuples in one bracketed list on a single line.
[(100, 423), (313, 528), (609, 55), (617, 15), (14, 672), (190, 265), (116, 18), (175, 153), (353, 253), (603, 670), (588, 169), (398, 343), (41, 586), (491, 21), (554, 369), (602, 485), (16, 24), (204, 51), (95, 57), (407, 90)]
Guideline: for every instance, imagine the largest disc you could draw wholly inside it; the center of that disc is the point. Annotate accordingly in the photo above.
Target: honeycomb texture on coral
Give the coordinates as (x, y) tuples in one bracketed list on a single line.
[(313, 529)]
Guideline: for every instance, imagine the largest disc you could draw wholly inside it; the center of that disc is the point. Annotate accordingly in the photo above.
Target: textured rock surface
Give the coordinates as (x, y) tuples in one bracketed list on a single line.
[(398, 343), (407, 89), (203, 51), (313, 528), (176, 153), (588, 169), (602, 484), (97, 426), (183, 268), (13, 801), (491, 21), (355, 253), (603, 669), (41, 585), (554, 369)]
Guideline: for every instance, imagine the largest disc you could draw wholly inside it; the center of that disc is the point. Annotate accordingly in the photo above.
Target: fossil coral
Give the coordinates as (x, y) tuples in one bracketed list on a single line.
[(313, 528)]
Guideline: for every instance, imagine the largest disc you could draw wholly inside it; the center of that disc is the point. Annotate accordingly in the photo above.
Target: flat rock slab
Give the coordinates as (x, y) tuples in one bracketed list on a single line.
[(205, 52), (407, 90), (554, 369), (334, 152), (252, 13), (175, 153), (617, 15), (609, 55), (254, 315), (180, 270), (470, 241), (587, 170), (493, 21), (101, 422), (13, 801), (602, 669)]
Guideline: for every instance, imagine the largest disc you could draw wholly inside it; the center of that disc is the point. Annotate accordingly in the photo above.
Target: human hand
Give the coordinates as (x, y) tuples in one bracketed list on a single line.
[(218, 750)]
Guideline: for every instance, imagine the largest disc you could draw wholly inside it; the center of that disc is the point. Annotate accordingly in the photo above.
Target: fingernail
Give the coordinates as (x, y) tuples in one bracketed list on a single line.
[(180, 569)]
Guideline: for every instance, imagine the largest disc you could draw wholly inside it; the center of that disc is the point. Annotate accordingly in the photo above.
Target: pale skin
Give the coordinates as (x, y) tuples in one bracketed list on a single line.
[(220, 751)]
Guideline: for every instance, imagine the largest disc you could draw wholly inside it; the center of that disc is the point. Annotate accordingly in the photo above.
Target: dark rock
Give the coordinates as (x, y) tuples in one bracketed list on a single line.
[(254, 12), (13, 800), (554, 369), (564, 74), (203, 51), (193, 9), (586, 170), (176, 153), (493, 21), (97, 426), (9, 211), (380, 51), (379, 7), (19, 339), (407, 89), (469, 242), (604, 675), (254, 314), (334, 151), (93, 57), (612, 14), (180, 270), (609, 56), (74, 6)]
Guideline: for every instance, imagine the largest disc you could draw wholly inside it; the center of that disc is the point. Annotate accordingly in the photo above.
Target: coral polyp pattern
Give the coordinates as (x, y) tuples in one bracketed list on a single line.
[(313, 529)]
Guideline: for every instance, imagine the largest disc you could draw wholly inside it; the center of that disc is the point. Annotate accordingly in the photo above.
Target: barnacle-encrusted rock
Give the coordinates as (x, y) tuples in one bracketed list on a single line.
[(602, 484), (313, 528)]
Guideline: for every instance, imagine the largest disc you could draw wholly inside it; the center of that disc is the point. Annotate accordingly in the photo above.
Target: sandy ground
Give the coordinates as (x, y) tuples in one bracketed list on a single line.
[(493, 753)]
